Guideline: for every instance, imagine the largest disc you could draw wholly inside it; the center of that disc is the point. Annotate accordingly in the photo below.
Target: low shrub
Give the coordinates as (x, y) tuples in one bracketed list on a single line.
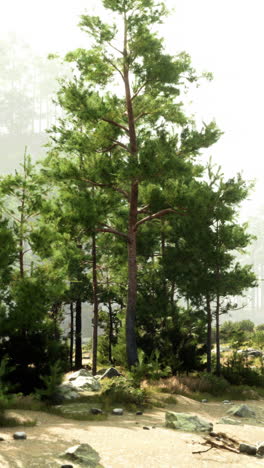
[(122, 391)]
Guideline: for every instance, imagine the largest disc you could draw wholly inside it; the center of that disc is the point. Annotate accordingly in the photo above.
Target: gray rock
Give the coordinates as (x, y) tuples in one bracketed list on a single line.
[(118, 411), (2, 439), (110, 373), (248, 449), (226, 402), (83, 383), (146, 428), (66, 466), (19, 436), (139, 413), (96, 411), (83, 454), (242, 411), (226, 420), (187, 422), (204, 400), (260, 449), (80, 373), (68, 392)]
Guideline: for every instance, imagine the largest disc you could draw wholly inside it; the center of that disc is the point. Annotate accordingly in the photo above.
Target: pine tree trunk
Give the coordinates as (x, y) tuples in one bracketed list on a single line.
[(132, 356), (111, 328), (78, 335), (95, 301), (209, 336), (217, 313), (71, 336)]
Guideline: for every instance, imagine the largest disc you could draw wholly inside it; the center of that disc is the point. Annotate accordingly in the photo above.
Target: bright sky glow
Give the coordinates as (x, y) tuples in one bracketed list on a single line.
[(225, 37)]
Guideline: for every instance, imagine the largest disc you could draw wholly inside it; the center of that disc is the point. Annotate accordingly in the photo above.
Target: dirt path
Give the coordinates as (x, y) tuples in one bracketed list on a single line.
[(122, 442)]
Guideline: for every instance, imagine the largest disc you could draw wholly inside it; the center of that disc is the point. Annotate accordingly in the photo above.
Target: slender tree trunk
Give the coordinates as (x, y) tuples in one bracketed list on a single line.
[(78, 335), (95, 301), (71, 335), (131, 345), (217, 313), (111, 328), (209, 335)]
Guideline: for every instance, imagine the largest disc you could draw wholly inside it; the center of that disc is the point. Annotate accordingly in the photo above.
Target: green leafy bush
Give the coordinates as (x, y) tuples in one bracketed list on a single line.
[(121, 390), (51, 383)]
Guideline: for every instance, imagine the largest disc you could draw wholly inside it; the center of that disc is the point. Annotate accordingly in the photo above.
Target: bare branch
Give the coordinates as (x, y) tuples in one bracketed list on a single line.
[(106, 228), (144, 209), (105, 150), (113, 187), (159, 214), (118, 143), (142, 114), (115, 67), (138, 90), (116, 124), (115, 48)]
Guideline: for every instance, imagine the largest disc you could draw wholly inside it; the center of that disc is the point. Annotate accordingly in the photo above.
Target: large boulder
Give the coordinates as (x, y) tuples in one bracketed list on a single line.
[(80, 411), (83, 454), (187, 422), (242, 411), (66, 392), (88, 383), (80, 373)]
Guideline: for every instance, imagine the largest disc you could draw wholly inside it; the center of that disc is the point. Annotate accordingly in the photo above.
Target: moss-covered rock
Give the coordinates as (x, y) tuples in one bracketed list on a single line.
[(83, 454), (187, 422)]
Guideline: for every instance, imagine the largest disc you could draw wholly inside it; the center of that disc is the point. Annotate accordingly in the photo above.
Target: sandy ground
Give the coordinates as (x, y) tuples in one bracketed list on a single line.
[(122, 442)]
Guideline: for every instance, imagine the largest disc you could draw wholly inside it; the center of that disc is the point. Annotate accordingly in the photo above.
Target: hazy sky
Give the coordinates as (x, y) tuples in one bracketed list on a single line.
[(225, 37)]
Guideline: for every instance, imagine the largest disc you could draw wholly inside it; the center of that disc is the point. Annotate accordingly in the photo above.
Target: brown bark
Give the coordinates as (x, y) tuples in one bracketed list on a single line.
[(78, 335), (209, 335), (111, 328), (71, 335), (217, 313), (95, 301), (131, 345)]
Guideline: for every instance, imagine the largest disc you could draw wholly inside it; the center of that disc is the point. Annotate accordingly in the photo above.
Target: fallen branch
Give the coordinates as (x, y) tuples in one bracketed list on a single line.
[(219, 440)]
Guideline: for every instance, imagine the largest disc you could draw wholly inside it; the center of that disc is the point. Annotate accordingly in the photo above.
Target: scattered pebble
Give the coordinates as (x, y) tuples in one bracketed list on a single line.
[(66, 466), (146, 428), (226, 402), (19, 435), (96, 411), (1, 439), (118, 411), (204, 400), (139, 413)]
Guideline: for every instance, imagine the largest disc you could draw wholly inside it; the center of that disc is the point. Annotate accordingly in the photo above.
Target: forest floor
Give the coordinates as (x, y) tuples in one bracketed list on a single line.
[(122, 442)]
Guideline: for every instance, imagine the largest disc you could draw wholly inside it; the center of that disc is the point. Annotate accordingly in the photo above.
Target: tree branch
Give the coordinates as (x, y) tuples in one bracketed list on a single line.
[(144, 209), (118, 143), (116, 189), (138, 90), (116, 124), (159, 214), (115, 67), (106, 228), (142, 114)]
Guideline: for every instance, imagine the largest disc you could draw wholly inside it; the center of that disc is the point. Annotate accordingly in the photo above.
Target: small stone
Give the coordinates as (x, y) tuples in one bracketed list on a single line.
[(260, 449), (2, 439), (66, 466), (19, 435), (226, 402), (118, 411), (96, 411), (204, 400), (146, 428), (139, 413), (248, 449)]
